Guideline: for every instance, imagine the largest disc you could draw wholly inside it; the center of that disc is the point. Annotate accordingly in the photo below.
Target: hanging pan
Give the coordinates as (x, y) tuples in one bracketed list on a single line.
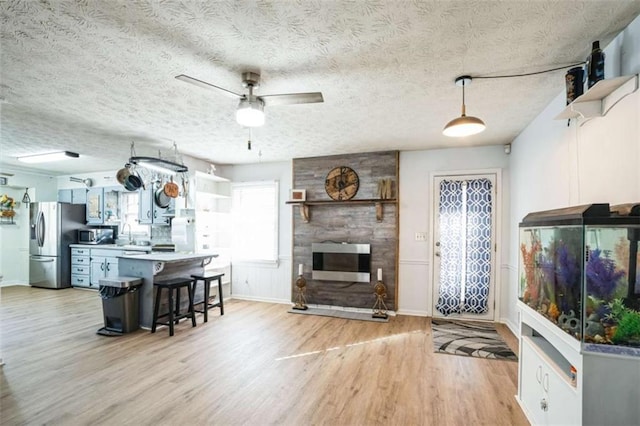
[(171, 189), (162, 200)]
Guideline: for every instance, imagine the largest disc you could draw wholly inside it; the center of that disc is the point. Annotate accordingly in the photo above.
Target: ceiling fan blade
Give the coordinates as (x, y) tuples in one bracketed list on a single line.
[(292, 98), (206, 85)]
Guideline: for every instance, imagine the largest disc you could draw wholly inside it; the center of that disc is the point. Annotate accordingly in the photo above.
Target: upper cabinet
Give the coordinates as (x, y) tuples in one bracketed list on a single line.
[(154, 207), (95, 204), (73, 196), (103, 206)]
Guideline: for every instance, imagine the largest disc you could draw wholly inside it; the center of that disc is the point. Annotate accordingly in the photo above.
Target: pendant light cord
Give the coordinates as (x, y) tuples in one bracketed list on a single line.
[(526, 74)]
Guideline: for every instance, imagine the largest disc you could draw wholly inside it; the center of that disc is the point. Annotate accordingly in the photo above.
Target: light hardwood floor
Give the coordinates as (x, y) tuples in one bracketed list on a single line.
[(256, 365)]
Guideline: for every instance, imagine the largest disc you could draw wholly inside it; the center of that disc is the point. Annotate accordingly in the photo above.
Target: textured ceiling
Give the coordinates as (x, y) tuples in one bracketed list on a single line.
[(92, 76)]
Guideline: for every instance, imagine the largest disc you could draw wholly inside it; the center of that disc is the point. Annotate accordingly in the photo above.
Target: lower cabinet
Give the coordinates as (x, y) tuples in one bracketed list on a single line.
[(103, 267), (89, 265), (80, 267), (545, 390)]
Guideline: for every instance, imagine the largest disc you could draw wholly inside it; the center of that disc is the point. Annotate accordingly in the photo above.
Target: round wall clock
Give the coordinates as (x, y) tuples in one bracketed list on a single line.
[(342, 183)]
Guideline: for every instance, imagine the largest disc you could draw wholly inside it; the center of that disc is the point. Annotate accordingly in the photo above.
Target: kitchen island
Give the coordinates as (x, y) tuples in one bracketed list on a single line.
[(161, 266)]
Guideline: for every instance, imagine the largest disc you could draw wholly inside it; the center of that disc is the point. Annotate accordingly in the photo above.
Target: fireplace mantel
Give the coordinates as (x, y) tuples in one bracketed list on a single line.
[(378, 202)]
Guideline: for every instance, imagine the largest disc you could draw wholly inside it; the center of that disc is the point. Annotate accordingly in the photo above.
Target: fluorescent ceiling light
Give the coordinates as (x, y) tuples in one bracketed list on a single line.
[(51, 156), (157, 168), (159, 165), (464, 125), (250, 112)]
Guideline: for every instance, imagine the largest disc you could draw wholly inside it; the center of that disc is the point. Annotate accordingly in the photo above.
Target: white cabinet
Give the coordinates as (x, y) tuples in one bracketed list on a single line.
[(80, 267), (605, 389), (546, 393), (149, 212), (94, 206), (73, 196), (103, 205), (89, 264), (104, 264)]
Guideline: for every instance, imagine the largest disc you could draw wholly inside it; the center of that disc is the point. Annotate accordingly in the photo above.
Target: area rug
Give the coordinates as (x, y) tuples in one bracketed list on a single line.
[(362, 316), (480, 340)]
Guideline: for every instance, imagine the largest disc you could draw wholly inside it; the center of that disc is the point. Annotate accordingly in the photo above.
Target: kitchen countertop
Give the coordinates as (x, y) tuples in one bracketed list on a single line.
[(167, 257), (113, 247)]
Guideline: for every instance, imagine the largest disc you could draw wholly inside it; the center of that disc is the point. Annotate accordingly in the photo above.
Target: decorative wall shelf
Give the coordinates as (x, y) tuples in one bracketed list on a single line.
[(600, 98), (378, 202)]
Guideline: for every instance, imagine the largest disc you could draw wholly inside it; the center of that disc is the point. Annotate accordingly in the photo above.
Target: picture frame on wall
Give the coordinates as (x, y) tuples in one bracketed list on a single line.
[(298, 194)]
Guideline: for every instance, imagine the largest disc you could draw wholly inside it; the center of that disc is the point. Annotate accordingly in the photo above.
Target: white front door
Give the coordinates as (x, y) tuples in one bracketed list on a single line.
[(464, 246)]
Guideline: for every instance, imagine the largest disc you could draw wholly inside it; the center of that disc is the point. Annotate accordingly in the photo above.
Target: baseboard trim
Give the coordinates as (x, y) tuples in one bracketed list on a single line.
[(413, 313), (260, 299)]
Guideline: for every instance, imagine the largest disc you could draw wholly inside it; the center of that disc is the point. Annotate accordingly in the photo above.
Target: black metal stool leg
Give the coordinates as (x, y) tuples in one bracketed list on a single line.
[(156, 308), (205, 305), (171, 311), (191, 308)]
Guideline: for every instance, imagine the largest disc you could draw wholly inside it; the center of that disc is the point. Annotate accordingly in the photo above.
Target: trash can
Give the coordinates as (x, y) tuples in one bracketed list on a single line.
[(119, 305)]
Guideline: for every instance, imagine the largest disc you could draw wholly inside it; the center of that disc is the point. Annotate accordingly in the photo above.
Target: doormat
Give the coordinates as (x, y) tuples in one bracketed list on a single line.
[(362, 316), (474, 339)]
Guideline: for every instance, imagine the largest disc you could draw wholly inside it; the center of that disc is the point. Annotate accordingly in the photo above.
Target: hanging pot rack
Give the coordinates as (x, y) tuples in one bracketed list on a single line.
[(159, 161)]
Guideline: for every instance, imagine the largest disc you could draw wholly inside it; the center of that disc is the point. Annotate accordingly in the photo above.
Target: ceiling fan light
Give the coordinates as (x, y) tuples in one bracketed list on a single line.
[(463, 126), (250, 112)]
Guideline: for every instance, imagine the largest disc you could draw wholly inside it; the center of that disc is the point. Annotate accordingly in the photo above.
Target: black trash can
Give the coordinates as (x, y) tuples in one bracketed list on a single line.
[(120, 305)]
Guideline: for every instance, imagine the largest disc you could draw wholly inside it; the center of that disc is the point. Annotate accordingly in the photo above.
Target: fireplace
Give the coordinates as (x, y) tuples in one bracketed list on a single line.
[(341, 262)]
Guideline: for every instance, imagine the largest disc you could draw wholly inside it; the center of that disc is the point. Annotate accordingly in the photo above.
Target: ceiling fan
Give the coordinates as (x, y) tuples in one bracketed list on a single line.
[(250, 111)]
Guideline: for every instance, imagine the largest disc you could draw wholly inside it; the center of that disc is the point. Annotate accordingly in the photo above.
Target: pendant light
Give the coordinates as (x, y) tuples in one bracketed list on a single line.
[(464, 125)]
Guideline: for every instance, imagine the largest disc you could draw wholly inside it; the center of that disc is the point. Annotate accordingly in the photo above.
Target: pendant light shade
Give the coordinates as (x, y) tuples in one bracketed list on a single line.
[(250, 112), (464, 125)]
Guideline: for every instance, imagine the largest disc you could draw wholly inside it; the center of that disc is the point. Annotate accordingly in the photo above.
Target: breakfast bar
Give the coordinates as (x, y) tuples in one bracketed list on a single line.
[(160, 266)]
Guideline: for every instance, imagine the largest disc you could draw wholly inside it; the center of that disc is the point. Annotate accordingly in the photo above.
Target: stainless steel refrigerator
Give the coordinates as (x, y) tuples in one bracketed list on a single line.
[(53, 226)]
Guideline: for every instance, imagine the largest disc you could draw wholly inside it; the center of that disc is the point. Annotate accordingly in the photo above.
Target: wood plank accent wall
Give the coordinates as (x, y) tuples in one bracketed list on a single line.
[(345, 222)]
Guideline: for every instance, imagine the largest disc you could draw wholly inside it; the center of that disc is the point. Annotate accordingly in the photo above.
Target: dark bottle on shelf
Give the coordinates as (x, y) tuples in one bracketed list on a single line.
[(594, 68)]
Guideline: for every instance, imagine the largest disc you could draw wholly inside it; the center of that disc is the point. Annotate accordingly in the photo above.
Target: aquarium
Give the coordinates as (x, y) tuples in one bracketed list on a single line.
[(579, 269), (612, 285)]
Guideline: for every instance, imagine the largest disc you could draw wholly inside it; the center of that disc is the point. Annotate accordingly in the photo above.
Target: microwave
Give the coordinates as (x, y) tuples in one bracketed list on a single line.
[(95, 236)]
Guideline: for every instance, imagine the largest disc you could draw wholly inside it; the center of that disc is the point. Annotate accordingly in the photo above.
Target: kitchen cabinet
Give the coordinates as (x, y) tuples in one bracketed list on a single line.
[(104, 264), (103, 205), (95, 199), (80, 267), (149, 212), (73, 196), (89, 264)]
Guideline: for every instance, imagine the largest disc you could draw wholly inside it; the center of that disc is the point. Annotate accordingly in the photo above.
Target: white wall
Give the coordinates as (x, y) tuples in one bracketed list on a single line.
[(14, 239), (416, 168), (267, 282), (597, 160)]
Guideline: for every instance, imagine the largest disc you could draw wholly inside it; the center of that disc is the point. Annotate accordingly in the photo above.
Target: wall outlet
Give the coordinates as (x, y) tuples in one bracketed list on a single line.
[(421, 236)]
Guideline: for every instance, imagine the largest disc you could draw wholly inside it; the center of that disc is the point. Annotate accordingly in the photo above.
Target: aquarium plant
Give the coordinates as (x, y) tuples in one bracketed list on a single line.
[(602, 274), (628, 330), (531, 292), (567, 278)]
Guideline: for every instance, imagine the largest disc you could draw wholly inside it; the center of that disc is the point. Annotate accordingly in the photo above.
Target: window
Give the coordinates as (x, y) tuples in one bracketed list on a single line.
[(129, 208), (254, 216)]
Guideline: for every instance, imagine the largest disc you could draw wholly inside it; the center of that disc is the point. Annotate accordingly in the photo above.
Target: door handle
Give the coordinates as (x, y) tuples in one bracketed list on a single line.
[(437, 254), (39, 259), (437, 243)]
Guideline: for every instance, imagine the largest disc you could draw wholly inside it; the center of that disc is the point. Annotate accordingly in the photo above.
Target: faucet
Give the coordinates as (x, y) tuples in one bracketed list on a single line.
[(129, 225)]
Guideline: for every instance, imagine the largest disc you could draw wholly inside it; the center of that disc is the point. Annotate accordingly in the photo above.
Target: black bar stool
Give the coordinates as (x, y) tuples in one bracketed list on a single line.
[(174, 315), (206, 279)]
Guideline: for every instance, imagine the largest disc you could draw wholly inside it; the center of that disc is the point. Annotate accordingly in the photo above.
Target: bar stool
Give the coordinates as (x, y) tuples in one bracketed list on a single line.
[(174, 315), (206, 279)]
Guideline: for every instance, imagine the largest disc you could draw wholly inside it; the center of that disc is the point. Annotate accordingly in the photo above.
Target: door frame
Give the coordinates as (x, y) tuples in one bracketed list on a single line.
[(499, 241)]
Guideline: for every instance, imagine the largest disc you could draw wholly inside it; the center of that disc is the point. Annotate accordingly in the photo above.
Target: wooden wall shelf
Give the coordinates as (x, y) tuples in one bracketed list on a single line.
[(378, 202)]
